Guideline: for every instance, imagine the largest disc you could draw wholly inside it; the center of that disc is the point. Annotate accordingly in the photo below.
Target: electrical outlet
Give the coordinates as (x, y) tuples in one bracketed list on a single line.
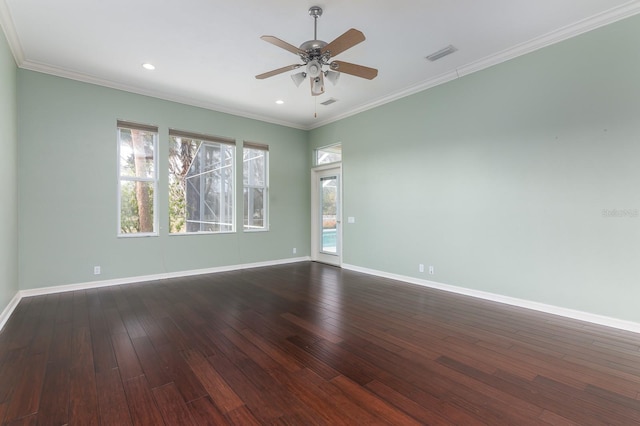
[(421, 267), (431, 270), (96, 270), (295, 250)]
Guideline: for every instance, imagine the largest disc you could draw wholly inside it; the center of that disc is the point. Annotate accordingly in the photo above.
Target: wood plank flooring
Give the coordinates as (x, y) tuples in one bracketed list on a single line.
[(307, 344)]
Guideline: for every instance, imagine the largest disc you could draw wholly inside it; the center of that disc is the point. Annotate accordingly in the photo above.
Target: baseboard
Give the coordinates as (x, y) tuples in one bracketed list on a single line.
[(513, 301), (155, 277), (6, 313), (542, 307)]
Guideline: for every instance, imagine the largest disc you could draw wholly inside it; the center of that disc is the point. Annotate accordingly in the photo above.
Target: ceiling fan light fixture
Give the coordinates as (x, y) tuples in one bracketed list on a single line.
[(315, 54), (317, 86), (314, 68), (332, 76), (298, 78)]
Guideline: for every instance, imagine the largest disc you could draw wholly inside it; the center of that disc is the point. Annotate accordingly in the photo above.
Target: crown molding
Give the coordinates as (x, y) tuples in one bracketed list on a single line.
[(85, 78), (607, 17), (410, 90), (10, 33), (8, 27)]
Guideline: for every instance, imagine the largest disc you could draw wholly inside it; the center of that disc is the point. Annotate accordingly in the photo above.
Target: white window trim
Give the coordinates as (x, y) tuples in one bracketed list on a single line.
[(266, 196), (154, 180), (320, 148), (203, 139)]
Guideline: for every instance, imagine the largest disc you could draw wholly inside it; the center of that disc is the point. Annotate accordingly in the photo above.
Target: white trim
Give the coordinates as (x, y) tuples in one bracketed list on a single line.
[(6, 313), (411, 90), (513, 301), (541, 307), (317, 254), (4, 316), (10, 33), (156, 277), (158, 94), (153, 180), (607, 17)]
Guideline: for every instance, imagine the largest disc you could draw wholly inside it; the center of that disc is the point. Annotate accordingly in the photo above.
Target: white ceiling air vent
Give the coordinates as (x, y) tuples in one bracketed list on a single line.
[(442, 53), (329, 101)]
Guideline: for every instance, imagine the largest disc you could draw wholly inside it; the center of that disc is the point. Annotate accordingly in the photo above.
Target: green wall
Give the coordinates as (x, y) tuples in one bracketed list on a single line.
[(68, 187), (8, 177), (499, 179)]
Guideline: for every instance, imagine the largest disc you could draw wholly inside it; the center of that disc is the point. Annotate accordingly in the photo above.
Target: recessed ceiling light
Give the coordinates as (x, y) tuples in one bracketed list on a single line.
[(279, 101), (148, 66)]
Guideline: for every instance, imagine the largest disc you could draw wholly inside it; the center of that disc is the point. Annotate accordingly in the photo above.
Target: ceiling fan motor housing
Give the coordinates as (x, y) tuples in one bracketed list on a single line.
[(313, 47)]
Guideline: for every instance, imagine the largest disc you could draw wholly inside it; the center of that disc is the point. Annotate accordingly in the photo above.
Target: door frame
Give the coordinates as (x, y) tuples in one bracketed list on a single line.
[(316, 217)]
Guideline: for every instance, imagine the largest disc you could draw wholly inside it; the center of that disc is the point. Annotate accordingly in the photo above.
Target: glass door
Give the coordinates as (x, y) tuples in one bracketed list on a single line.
[(326, 220)]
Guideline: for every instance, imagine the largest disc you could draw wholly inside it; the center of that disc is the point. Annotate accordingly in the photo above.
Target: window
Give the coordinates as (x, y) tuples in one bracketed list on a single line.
[(255, 178), (138, 179), (201, 183), (329, 154)]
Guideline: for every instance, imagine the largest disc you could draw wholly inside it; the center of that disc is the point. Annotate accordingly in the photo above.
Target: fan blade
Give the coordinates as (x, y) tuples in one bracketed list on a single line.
[(278, 71), (353, 69), (344, 42), (283, 44)]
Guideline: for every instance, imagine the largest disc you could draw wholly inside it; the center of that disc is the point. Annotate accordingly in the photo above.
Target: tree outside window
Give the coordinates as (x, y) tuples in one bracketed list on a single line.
[(201, 183), (137, 165)]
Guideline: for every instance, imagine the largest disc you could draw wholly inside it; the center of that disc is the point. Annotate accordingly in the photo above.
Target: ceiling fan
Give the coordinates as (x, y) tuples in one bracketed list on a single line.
[(316, 54)]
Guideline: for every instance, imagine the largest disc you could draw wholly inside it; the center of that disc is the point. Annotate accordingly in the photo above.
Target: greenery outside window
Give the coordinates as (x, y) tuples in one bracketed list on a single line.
[(255, 179), (137, 179), (201, 183)]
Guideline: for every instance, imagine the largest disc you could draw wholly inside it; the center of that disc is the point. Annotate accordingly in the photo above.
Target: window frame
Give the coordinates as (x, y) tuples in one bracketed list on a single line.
[(128, 125), (205, 139), (265, 197), (326, 147)]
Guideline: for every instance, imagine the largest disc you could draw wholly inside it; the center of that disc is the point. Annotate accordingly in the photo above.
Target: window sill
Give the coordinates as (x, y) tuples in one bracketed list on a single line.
[(139, 235), (184, 234)]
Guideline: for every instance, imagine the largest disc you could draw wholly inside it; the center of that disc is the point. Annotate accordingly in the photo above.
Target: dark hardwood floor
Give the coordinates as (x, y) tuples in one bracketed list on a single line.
[(307, 344)]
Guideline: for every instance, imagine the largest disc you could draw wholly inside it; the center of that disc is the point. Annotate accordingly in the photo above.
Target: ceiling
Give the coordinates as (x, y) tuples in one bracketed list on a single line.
[(207, 52)]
